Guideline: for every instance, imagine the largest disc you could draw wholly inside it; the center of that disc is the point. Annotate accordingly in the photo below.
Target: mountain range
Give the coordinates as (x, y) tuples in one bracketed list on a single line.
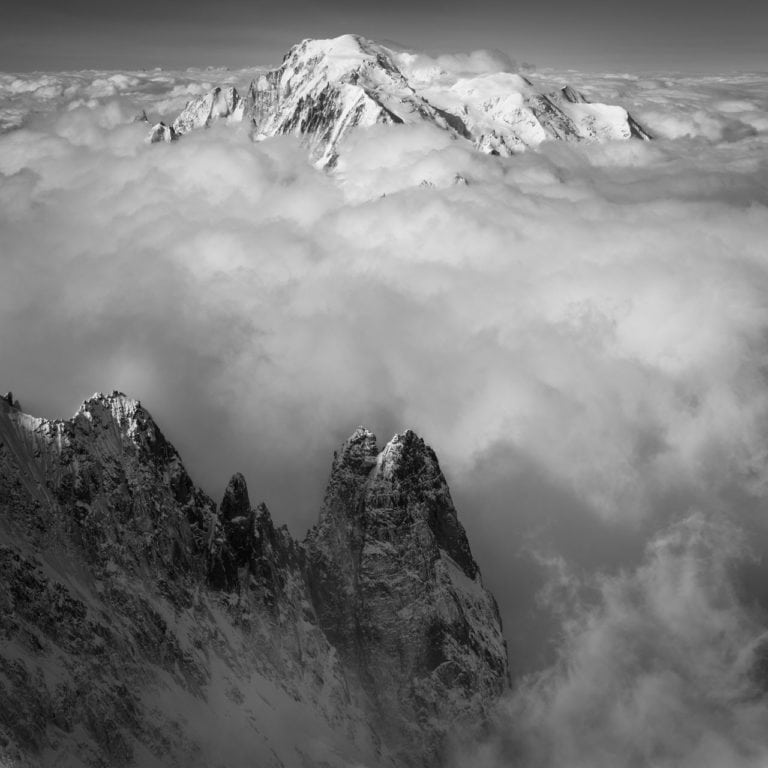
[(326, 88), (143, 624)]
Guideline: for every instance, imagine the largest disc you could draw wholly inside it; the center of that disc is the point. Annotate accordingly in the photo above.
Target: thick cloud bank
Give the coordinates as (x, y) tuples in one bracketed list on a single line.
[(668, 670), (581, 333)]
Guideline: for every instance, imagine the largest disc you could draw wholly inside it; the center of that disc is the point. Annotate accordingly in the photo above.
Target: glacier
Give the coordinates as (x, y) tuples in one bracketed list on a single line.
[(326, 88)]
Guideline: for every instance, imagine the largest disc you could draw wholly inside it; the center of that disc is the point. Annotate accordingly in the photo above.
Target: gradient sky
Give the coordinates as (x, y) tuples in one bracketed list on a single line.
[(685, 35)]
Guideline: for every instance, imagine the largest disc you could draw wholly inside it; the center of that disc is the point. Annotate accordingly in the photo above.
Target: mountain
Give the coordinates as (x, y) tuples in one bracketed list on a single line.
[(144, 625), (325, 88), (399, 594)]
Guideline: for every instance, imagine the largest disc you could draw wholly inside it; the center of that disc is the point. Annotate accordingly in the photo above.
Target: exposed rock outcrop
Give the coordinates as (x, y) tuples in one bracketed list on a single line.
[(399, 593), (160, 132), (140, 624), (201, 112)]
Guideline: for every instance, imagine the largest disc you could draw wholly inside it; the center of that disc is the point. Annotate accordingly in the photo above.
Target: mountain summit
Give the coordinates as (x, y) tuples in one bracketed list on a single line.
[(141, 624), (325, 88)]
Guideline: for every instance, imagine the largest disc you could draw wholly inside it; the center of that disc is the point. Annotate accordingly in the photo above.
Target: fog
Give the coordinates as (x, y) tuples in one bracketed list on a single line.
[(667, 669), (580, 332)]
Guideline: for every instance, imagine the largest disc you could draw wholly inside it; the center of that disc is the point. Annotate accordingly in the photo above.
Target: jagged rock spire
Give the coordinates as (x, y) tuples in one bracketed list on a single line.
[(235, 502), (409, 468), (200, 112), (108, 579), (237, 518), (166, 580), (8, 397), (398, 592), (160, 132)]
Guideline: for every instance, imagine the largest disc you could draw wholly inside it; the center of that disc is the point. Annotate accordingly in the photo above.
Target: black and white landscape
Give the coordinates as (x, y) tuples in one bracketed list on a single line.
[(545, 291)]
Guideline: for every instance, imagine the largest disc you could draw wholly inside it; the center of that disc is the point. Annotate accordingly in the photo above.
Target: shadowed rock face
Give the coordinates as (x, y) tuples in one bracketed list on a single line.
[(134, 612), (237, 521), (398, 592), (91, 509)]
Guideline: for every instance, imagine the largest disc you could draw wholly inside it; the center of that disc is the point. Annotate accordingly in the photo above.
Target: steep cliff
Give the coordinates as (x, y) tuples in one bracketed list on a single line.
[(401, 597), (139, 625), (142, 625)]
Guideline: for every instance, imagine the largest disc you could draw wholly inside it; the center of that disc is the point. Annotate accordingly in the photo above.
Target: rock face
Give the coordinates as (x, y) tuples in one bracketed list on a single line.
[(142, 625), (201, 112), (325, 88), (160, 132), (399, 594)]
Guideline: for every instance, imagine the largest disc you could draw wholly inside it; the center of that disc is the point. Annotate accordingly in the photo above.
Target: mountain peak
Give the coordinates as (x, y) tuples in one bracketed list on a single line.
[(348, 45), (8, 398), (141, 590), (360, 434), (405, 455), (358, 453), (340, 55), (324, 88), (236, 502), (116, 403), (201, 112), (389, 560)]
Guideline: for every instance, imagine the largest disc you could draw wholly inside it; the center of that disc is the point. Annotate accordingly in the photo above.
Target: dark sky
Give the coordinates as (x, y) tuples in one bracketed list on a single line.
[(687, 35)]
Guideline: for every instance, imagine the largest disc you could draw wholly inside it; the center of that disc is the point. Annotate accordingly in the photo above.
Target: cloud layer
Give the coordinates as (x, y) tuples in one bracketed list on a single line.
[(667, 670), (581, 333)]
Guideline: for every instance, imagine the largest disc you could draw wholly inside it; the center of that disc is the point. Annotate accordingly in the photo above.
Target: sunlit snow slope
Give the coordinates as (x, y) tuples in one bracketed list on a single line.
[(325, 88)]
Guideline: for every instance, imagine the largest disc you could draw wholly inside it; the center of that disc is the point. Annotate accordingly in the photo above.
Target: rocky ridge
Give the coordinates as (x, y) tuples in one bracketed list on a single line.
[(141, 624), (325, 88)]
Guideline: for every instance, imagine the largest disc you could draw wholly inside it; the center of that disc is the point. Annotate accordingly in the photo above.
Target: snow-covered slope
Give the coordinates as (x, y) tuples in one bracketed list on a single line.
[(325, 88), (142, 625)]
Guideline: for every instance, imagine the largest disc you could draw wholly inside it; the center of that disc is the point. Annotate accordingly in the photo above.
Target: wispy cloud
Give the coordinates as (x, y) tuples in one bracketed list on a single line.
[(666, 669)]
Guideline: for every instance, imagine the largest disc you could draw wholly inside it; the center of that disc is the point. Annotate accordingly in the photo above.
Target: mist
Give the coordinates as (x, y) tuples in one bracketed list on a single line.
[(579, 332)]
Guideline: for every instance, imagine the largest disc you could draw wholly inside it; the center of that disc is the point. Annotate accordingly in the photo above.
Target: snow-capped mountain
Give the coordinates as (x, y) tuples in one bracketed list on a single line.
[(325, 88), (143, 625)]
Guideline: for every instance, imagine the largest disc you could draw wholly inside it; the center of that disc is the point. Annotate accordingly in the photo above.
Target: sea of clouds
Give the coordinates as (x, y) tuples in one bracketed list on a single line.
[(580, 332)]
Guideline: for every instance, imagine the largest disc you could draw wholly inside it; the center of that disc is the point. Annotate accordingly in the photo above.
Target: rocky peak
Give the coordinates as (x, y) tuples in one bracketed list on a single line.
[(379, 627), (117, 645), (358, 453), (108, 477), (235, 503), (350, 470), (117, 421), (398, 592), (161, 133), (248, 554), (237, 518), (408, 471), (405, 459), (8, 398), (202, 111), (116, 406)]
